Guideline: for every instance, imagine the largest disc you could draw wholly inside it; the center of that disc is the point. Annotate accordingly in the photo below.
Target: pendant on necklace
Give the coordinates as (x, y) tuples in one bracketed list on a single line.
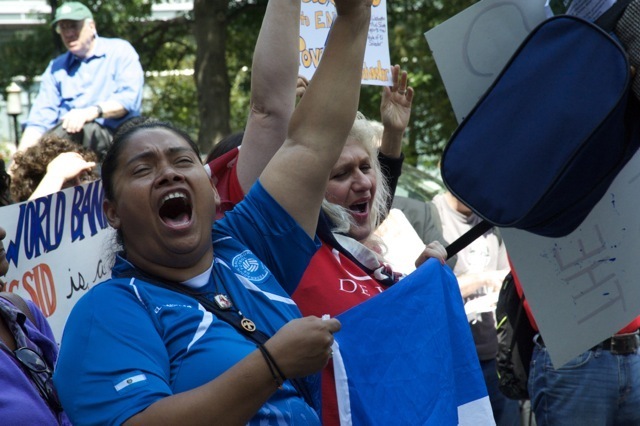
[(248, 325), (223, 301)]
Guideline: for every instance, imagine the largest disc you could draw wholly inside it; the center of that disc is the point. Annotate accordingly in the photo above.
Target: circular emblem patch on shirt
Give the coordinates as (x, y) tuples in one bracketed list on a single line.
[(248, 265)]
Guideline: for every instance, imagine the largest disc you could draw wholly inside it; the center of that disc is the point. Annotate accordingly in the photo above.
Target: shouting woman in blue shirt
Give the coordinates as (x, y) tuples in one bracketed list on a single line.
[(152, 344)]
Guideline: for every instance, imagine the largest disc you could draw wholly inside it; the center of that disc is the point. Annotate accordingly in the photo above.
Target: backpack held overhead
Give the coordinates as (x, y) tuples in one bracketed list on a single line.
[(546, 140)]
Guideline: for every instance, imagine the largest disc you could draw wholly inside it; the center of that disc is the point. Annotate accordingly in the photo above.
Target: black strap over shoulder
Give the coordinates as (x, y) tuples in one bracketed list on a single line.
[(230, 317), (468, 237), (19, 303)]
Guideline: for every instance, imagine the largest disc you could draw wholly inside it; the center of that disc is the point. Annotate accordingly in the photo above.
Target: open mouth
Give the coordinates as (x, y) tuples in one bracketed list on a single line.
[(359, 207), (176, 209)]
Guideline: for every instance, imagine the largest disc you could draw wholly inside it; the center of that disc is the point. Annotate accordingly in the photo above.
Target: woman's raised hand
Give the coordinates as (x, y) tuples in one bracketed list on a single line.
[(395, 106), (68, 165)]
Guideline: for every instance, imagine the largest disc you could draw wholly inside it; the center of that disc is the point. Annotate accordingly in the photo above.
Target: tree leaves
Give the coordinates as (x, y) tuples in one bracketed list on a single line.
[(171, 45)]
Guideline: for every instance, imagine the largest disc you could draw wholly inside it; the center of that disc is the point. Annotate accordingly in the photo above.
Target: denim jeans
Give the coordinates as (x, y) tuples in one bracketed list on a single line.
[(506, 412), (596, 388)]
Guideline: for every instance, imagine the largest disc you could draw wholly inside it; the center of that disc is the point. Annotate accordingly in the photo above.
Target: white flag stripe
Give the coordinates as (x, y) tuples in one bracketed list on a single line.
[(342, 386), (475, 413), (129, 381)]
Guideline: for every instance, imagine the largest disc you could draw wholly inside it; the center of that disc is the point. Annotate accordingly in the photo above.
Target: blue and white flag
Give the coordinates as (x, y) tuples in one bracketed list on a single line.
[(407, 357)]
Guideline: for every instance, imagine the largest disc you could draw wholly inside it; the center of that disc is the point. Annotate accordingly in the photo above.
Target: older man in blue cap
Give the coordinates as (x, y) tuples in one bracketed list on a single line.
[(88, 91)]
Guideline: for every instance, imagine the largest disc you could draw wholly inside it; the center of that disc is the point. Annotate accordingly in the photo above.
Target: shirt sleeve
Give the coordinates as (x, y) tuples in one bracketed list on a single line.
[(44, 113), (503, 262), (129, 79), (112, 363), (268, 230), (391, 170), (224, 174)]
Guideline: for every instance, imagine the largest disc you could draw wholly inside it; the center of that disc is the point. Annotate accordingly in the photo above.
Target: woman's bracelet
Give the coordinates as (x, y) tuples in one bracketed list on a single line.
[(273, 367)]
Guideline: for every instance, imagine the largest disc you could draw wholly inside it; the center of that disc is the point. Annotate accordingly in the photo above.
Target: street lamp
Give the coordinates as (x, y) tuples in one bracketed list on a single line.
[(14, 106)]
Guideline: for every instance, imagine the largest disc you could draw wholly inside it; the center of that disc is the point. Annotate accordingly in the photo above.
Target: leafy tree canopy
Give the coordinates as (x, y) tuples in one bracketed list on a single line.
[(170, 45)]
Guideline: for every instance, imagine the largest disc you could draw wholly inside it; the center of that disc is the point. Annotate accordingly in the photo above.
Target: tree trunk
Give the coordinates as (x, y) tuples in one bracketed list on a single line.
[(212, 80)]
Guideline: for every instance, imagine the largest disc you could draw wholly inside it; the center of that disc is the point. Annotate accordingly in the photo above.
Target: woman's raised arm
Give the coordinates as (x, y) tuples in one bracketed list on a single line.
[(297, 175), (273, 89)]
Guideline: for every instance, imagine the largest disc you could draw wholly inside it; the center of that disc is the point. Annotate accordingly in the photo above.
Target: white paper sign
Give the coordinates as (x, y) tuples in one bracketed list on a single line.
[(403, 244), (471, 48), (316, 17), (57, 247), (583, 288)]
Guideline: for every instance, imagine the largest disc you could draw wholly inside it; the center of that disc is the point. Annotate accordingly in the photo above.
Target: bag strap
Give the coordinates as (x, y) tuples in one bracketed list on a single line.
[(608, 20), (19, 303), (468, 237), (230, 317), (518, 316)]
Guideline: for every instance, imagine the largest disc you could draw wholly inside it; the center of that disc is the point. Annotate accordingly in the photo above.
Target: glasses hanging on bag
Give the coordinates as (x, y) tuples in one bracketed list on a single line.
[(40, 374)]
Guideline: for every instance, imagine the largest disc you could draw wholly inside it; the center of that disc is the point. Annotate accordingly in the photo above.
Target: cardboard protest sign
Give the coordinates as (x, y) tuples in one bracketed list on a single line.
[(316, 17), (471, 48), (57, 247), (583, 288)]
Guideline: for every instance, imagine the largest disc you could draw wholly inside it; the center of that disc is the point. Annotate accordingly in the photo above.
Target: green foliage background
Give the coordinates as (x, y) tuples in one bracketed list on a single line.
[(169, 45)]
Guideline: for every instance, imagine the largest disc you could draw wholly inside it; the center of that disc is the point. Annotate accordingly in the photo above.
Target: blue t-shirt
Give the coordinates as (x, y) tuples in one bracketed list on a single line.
[(129, 343), (112, 73)]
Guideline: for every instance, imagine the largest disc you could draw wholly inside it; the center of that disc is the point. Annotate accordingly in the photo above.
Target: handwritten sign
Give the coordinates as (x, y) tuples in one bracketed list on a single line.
[(471, 48), (583, 288), (316, 18), (57, 247)]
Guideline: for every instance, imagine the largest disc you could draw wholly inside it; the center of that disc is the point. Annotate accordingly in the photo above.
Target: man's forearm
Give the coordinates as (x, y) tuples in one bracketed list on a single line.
[(111, 109)]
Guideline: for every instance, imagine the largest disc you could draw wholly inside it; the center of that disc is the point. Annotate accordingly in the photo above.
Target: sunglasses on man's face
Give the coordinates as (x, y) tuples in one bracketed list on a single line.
[(41, 375), (74, 26)]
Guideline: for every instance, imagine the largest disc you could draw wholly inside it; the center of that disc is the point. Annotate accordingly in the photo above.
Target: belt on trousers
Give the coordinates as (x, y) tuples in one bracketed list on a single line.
[(620, 344)]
